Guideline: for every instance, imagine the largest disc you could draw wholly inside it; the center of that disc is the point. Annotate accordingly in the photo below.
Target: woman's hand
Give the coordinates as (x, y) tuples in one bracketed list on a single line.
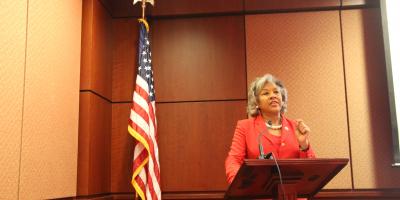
[(302, 133)]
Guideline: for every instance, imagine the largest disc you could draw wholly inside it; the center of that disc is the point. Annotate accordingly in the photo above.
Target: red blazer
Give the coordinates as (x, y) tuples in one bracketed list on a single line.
[(245, 143)]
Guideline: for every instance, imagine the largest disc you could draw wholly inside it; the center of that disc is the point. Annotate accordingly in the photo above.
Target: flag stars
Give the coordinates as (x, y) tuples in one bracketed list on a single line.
[(148, 68), (147, 75)]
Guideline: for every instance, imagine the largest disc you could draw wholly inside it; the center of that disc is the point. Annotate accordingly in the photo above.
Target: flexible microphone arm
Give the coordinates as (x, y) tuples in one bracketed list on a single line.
[(260, 146), (269, 155), (279, 173)]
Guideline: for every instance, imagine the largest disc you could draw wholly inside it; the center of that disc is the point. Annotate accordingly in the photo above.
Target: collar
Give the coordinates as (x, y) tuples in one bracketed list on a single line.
[(261, 127)]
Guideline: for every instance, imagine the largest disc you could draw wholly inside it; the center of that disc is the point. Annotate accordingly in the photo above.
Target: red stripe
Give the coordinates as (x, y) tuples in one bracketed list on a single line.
[(136, 107), (156, 167), (143, 93), (140, 159), (141, 184), (141, 132), (150, 181), (151, 146), (150, 185), (147, 116), (153, 118), (140, 111), (152, 152)]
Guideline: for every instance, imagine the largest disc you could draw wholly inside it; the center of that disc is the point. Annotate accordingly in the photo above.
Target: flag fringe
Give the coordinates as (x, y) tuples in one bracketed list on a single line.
[(138, 137)]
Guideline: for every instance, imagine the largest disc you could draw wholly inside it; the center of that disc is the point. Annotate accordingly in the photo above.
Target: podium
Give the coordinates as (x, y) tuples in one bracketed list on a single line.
[(301, 178)]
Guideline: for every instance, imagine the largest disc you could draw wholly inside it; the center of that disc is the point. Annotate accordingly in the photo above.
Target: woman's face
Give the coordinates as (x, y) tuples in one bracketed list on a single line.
[(270, 99)]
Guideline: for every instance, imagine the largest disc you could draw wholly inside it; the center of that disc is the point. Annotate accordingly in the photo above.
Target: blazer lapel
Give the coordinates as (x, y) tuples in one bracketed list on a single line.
[(260, 127), (285, 129)]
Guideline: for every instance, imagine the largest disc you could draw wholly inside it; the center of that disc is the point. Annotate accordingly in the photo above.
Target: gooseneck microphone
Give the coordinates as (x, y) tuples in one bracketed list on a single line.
[(270, 155), (260, 146)]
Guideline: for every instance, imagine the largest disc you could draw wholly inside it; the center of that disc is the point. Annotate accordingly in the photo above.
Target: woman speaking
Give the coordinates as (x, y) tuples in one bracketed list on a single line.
[(267, 130)]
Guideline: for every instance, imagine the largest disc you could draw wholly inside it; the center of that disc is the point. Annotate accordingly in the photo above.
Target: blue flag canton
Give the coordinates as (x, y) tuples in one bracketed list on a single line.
[(144, 61)]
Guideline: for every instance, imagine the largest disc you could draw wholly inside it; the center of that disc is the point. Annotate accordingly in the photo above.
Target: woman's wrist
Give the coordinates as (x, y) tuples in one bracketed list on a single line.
[(305, 146)]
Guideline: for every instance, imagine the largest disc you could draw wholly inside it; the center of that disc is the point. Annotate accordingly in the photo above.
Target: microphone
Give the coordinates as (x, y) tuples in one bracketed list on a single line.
[(279, 174), (260, 146), (270, 155)]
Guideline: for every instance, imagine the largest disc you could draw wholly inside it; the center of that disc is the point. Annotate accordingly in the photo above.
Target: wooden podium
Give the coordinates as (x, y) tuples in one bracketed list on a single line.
[(300, 177)]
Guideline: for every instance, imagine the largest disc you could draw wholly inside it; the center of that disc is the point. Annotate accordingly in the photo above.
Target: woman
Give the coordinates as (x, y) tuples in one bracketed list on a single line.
[(267, 126)]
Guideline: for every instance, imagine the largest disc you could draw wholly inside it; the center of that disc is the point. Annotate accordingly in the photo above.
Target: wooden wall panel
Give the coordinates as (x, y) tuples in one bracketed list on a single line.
[(199, 59), (194, 139), (369, 114), (84, 143), (94, 145), (284, 5), (185, 139), (12, 66), (121, 149), (360, 3), (125, 39), (51, 100), (96, 95), (179, 7), (304, 51), (96, 49), (86, 44), (297, 5), (124, 8)]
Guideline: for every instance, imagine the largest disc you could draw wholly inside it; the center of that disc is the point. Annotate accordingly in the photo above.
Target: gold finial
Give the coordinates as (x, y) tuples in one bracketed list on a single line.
[(143, 5)]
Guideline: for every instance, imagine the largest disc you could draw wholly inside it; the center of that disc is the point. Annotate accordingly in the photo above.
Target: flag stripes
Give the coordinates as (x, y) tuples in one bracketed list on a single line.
[(143, 126)]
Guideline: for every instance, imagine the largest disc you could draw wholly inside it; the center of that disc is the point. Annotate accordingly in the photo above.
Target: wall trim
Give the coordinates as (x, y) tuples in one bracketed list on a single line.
[(250, 7), (357, 194)]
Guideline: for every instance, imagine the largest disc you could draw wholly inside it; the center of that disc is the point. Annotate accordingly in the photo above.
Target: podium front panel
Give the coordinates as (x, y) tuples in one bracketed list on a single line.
[(260, 178)]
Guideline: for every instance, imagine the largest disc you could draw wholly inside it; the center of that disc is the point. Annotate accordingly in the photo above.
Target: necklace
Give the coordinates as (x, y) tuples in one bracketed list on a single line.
[(274, 127)]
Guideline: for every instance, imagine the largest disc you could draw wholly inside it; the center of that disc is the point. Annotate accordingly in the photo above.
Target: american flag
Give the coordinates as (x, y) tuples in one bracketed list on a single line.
[(143, 125)]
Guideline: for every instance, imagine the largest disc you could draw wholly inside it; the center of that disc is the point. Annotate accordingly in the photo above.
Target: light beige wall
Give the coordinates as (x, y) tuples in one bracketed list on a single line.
[(369, 117), (345, 103), (304, 51), (40, 64), (12, 63)]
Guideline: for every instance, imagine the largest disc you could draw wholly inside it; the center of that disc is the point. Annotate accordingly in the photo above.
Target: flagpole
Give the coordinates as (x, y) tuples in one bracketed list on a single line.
[(143, 6), (143, 19), (146, 169)]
